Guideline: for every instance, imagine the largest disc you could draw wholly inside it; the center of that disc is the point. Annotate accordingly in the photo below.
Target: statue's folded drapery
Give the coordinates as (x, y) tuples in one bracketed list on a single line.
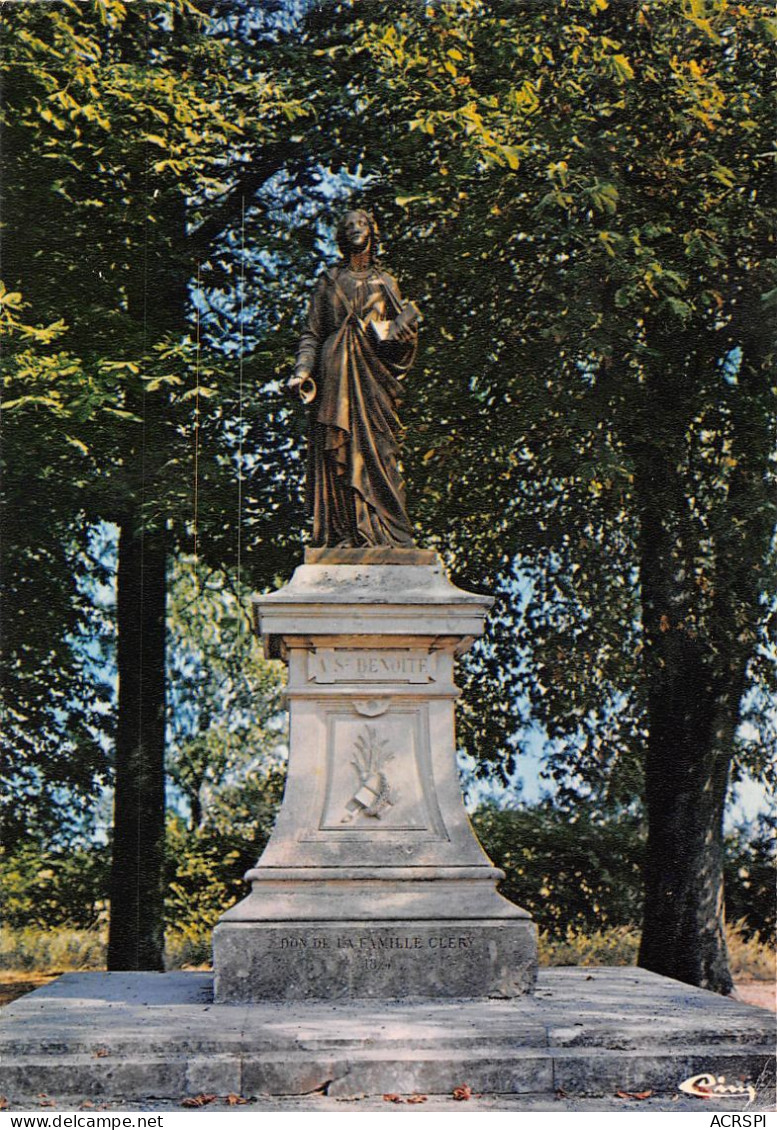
[(355, 488)]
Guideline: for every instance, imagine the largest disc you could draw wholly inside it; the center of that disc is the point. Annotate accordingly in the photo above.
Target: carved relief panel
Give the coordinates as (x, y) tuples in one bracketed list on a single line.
[(378, 776)]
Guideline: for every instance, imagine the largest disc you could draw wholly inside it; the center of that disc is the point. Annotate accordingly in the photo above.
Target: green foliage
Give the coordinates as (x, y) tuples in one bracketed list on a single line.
[(225, 711), (188, 950), (751, 879), (583, 201), (579, 873), (206, 865), (205, 879), (584, 295), (573, 872), (579, 196), (58, 888), (57, 893), (116, 121)]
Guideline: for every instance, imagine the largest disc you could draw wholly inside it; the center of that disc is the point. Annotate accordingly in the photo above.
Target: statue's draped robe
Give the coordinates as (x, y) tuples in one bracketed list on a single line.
[(355, 490)]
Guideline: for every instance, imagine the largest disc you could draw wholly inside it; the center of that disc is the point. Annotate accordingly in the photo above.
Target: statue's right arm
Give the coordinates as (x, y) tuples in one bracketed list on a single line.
[(310, 341)]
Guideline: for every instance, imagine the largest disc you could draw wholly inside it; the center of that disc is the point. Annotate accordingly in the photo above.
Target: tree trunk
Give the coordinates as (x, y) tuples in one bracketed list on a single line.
[(195, 804), (686, 776), (136, 939), (156, 297), (692, 713)]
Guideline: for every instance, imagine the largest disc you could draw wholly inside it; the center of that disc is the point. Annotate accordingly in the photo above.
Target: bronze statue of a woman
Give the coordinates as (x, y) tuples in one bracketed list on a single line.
[(358, 343)]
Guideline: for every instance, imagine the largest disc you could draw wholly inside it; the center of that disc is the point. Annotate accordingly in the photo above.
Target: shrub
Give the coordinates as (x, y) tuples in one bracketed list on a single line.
[(751, 878), (60, 950), (57, 950), (189, 950), (582, 871), (617, 946), (205, 877), (66, 886), (748, 956), (572, 872)]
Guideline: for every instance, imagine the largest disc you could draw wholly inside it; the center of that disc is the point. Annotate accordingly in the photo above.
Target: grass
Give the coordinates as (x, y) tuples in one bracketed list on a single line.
[(49, 951), (182, 951), (748, 958), (68, 951)]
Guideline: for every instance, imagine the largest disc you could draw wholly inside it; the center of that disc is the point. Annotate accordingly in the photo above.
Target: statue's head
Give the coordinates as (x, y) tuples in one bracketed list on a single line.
[(357, 231)]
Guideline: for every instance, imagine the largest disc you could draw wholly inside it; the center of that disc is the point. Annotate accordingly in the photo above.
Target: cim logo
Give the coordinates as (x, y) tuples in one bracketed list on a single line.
[(708, 1086)]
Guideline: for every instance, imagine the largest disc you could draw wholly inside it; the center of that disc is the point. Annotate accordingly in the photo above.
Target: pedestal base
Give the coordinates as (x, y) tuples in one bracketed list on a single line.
[(373, 885), (404, 960)]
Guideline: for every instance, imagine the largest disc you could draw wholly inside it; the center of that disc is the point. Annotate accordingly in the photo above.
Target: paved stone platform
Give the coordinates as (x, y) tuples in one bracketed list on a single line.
[(586, 1032)]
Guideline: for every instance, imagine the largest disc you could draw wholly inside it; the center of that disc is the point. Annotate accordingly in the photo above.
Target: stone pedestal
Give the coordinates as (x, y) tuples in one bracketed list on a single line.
[(373, 884)]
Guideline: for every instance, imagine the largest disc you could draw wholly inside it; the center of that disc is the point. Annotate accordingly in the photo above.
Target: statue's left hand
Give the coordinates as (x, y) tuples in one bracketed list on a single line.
[(400, 333)]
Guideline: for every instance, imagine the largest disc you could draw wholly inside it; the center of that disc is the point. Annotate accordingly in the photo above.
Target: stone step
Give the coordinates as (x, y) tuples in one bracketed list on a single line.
[(586, 1032), (498, 1070)]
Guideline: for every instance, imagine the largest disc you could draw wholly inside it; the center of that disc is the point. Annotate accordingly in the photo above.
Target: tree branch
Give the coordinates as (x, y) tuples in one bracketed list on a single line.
[(269, 161)]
